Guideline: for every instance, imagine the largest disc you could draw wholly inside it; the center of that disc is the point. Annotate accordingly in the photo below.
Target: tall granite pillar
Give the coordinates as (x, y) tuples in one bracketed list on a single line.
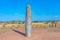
[(28, 20)]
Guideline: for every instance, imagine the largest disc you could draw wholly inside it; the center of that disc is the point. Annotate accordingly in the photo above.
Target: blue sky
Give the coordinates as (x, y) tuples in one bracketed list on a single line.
[(42, 10)]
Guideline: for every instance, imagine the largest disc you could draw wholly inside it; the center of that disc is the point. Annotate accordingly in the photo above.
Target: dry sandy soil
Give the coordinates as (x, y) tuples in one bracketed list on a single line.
[(37, 34)]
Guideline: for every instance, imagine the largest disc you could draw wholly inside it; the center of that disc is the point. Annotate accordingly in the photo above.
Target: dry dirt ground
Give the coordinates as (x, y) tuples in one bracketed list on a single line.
[(37, 34)]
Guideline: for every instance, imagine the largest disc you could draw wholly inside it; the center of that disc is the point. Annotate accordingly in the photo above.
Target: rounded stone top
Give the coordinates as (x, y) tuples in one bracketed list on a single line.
[(28, 6)]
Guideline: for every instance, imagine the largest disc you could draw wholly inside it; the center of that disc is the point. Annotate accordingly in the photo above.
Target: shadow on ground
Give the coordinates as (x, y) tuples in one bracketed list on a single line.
[(19, 32)]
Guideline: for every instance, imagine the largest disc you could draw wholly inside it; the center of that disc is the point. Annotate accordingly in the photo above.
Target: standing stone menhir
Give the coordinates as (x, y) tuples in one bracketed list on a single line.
[(28, 27)]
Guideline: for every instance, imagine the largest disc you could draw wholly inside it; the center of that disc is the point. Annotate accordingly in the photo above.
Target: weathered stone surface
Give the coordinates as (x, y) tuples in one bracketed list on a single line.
[(28, 22)]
